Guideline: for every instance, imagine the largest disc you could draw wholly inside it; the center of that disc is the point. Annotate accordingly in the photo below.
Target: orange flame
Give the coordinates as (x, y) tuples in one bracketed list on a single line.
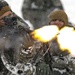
[(45, 34), (65, 38)]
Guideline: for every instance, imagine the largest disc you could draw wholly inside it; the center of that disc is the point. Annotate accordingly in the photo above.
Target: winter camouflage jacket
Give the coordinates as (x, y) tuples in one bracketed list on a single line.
[(46, 61), (49, 62), (12, 38), (63, 62)]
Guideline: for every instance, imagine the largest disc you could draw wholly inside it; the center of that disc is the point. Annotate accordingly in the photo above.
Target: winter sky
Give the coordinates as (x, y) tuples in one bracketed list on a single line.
[(68, 5)]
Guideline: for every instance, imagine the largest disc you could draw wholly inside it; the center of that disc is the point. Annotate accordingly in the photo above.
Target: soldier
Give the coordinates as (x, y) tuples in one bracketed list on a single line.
[(51, 60), (47, 57), (63, 63), (14, 32), (36, 11)]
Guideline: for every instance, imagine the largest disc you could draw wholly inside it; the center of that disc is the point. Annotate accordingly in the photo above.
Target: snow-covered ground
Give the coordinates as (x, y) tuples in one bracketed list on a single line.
[(68, 5)]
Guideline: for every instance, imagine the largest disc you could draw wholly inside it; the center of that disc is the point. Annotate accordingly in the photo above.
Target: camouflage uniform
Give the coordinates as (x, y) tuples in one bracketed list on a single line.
[(15, 32), (36, 57), (36, 11), (56, 61), (63, 62), (52, 62), (16, 35)]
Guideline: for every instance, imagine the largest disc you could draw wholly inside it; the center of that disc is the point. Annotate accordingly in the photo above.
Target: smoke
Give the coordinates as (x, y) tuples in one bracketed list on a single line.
[(10, 41)]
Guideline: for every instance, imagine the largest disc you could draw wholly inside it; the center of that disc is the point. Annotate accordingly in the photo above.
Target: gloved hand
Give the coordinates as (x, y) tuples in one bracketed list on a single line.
[(28, 41)]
